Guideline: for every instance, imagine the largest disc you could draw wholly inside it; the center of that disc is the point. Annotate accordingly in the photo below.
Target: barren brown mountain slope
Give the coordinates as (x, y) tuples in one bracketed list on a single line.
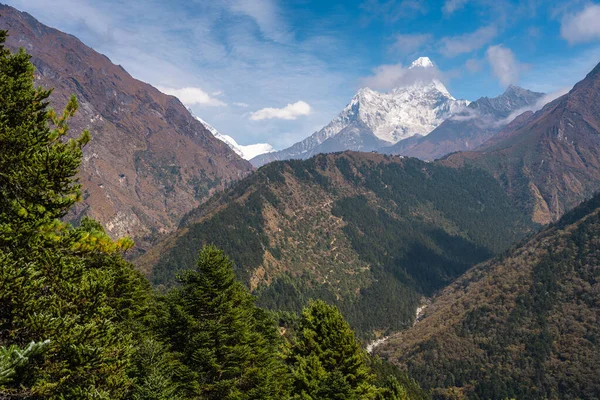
[(550, 163), (149, 161)]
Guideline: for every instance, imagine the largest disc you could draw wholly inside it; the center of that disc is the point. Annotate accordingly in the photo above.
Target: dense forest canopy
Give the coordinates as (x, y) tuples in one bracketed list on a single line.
[(371, 233), (524, 325)]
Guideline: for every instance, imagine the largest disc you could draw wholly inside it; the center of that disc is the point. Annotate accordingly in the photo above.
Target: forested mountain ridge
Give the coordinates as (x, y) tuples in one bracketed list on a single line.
[(150, 161), (524, 325), (372, 233), (550, 161)]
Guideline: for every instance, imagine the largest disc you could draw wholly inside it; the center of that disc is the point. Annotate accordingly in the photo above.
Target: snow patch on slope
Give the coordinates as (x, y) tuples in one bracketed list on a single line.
[(246, 152)]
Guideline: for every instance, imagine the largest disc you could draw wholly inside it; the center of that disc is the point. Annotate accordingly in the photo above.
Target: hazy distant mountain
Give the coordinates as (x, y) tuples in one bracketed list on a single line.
[(373, 120), (246, 152), (471, 127)]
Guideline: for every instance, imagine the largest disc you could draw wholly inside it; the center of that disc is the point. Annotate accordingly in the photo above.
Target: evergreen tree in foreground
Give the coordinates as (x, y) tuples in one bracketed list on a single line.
[(327, 361), (66, 287), (228, 346)]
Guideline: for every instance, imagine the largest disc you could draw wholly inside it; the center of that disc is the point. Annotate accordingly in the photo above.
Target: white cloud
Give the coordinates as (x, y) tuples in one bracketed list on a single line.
[(240, 104), (289, 112), (192, 96), (453, 5), (583, 26), (407, 43), (386, 77), (466, 114), (542, 101), (267, 16), (473, 65), (504, 64), (456, 45), (239, 47)]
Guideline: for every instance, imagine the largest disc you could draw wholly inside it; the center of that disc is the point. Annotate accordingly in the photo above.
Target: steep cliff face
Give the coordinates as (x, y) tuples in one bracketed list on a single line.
[(149, 161)]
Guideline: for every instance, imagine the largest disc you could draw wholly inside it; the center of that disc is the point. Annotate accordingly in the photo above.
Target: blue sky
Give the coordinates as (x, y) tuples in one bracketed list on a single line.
[(276, 71)]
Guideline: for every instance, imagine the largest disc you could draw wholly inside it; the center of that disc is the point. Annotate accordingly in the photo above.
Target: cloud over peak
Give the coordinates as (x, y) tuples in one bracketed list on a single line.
[(391, 76), (583, 26), (289, 112), (193, 96), (504, 64)]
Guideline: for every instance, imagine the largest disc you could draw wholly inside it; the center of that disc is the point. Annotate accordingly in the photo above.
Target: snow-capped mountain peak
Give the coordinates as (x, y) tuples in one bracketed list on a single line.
[(423, 62), (414, 109), (246, 152), (373, 119)]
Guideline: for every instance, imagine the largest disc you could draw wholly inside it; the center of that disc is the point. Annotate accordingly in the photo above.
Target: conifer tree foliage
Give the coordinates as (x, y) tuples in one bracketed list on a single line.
[(37, 164), (14, 359), (65, 286), (327, 361), (227, 345)]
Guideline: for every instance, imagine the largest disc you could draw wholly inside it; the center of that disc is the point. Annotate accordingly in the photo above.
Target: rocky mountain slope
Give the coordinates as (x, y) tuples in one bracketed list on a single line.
[(547, 162), (373, 120), (247, 152), (149, 161), (369, 232), (524, 325), (470, 128)]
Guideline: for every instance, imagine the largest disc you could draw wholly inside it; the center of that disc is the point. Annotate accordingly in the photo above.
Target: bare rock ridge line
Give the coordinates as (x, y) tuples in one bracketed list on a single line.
[(149, 161)]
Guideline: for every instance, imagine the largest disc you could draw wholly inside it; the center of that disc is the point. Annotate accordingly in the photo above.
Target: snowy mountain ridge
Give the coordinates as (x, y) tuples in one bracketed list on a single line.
[(375, 119), (246, 152)]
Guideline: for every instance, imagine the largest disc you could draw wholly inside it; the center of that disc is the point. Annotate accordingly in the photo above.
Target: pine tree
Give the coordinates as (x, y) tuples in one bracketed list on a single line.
[(65, 286), (37, 165), (327, 360), (228, 345), (155, 368)]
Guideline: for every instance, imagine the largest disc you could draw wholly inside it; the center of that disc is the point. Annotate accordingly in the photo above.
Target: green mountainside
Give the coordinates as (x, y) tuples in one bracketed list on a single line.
[(369, 232), (524, 325)]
